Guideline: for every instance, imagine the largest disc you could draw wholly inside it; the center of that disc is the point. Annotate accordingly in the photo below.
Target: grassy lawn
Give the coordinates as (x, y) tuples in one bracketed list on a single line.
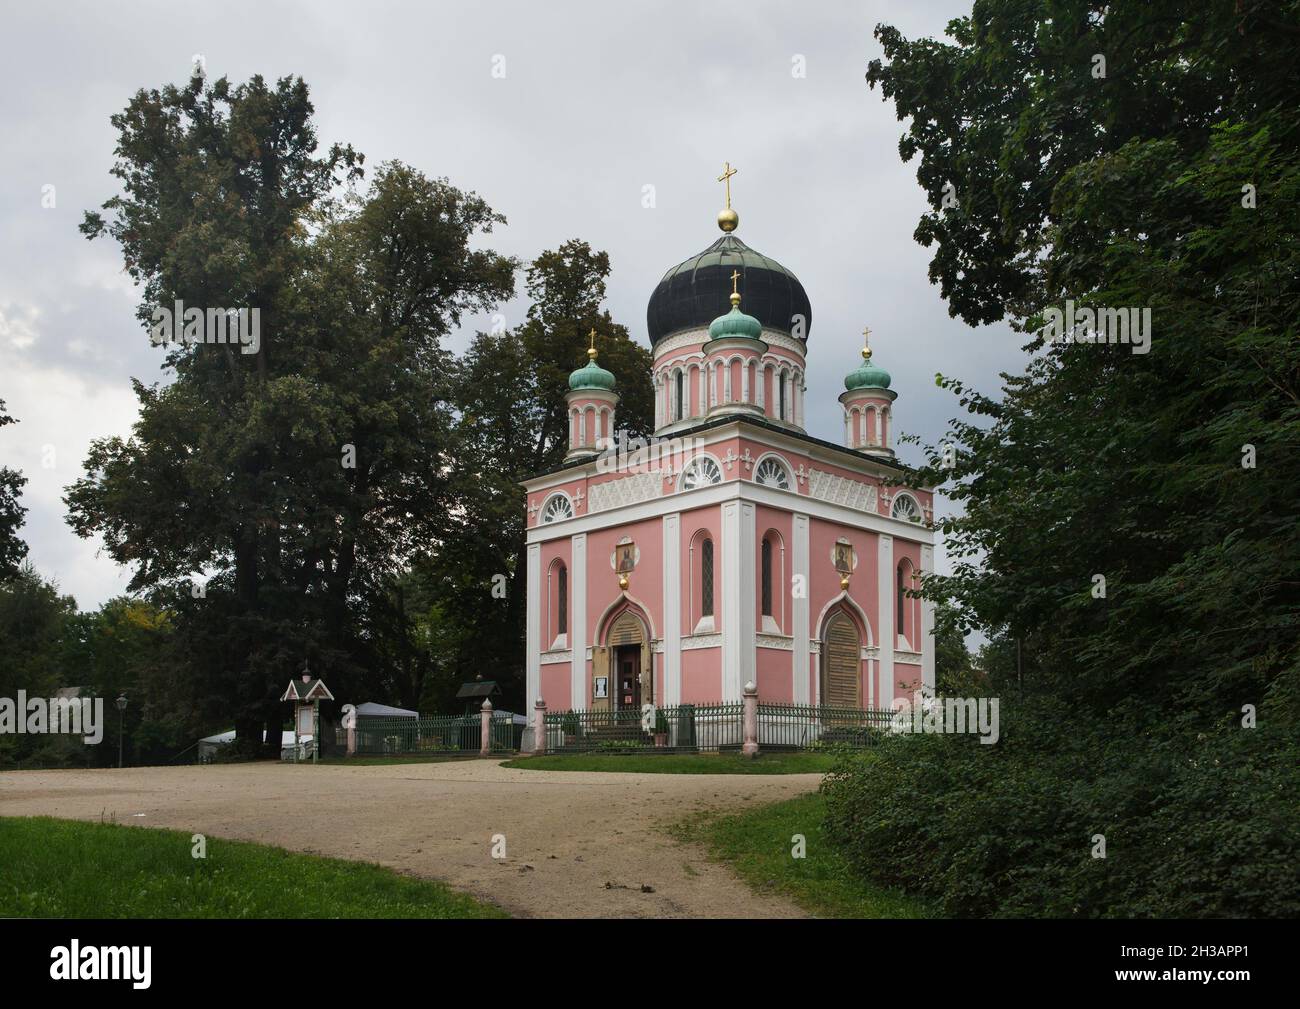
[(757, 845), (381, 761), (65, 869), (681, 763)]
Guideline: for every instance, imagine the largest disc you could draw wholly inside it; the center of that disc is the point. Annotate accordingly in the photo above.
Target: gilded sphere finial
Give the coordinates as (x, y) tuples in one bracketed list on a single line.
[(728, 220)]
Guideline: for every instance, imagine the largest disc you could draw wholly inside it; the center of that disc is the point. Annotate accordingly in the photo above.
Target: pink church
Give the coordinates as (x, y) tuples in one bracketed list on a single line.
[(736, 547)]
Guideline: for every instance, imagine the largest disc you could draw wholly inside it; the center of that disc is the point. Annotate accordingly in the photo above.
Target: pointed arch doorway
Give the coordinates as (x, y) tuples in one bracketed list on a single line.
[(625, 660), (841, 685)]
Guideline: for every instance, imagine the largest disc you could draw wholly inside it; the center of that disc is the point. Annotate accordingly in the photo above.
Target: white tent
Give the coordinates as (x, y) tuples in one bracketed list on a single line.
[(371, 709)]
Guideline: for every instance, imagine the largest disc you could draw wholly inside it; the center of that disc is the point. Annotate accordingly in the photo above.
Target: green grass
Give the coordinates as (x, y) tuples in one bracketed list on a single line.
[(681, 763), (382, 761), (66, 869), (757, 844)]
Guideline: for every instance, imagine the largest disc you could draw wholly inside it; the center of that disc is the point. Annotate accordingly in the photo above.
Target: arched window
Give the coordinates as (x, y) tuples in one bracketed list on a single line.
[(700, 472), (706, 578), (771, 473), (556, 509), (905, 508), (780, 396), (679, 397), (902, 601), (767, 576), (562, 600)]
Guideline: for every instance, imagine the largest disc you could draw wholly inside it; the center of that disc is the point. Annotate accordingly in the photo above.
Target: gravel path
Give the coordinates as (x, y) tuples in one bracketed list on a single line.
[(578, 844)]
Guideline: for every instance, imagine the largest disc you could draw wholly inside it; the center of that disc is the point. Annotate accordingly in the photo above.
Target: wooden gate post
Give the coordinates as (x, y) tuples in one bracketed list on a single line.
[(750, 720), (539, 726), (485, 744)]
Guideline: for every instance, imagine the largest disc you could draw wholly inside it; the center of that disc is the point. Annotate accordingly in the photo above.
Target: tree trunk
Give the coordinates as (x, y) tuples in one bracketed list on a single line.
[(274, 731)]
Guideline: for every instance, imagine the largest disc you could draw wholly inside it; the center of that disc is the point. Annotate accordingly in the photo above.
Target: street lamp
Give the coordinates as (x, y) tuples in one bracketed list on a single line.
[(121, 713)]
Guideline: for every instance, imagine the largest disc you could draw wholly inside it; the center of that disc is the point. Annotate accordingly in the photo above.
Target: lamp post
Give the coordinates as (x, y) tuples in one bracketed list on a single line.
[(121, 713)]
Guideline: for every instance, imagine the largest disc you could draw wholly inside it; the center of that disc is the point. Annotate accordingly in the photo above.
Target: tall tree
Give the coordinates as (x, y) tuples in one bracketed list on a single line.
[(296, 478), (12, 548), (511, 425), (1126, 513)]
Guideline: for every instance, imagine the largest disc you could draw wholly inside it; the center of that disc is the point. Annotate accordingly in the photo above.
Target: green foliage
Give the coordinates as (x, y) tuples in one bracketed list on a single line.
[(302, 479), (1008, 830), (511, 424), (12, 548), (1120, 710), (32, 619), (63, 869)]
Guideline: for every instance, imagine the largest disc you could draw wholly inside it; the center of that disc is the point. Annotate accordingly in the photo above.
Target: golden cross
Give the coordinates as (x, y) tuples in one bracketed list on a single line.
[(735, 276), (727, 173), (592, 336), (866, 336)]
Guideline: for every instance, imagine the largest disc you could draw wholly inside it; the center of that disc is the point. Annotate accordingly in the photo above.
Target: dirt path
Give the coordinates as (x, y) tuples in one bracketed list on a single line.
[(578, 844)]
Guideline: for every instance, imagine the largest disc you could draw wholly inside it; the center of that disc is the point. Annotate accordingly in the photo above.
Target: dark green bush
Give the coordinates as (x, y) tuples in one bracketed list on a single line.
[(1208, 828)]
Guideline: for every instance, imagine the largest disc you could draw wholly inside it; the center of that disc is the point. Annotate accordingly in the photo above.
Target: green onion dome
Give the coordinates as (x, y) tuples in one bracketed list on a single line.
[(867, 375), (735, 323), (591, 376)]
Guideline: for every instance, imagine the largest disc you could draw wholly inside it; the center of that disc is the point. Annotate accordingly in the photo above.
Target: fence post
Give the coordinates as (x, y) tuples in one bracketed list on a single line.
[(539, 726), (750, 747), (352, 739), (486, 744)]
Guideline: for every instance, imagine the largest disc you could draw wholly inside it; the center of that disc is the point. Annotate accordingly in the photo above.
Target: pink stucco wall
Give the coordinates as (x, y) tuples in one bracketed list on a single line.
[(555, 686), (773, 670), (701, 675)]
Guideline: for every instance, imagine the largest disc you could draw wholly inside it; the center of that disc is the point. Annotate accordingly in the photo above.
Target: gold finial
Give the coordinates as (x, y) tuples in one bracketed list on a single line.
[(735, 294), (866, 343), (728, 219), (591, 350)]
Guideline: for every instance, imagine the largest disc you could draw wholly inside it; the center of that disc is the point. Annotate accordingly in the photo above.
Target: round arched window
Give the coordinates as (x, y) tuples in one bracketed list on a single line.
[(556, 509), (700, 472), (906, 508), (771, 473)]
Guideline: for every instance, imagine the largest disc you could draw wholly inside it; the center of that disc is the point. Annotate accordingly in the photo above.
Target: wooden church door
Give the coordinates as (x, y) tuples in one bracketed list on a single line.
[(841, 663)]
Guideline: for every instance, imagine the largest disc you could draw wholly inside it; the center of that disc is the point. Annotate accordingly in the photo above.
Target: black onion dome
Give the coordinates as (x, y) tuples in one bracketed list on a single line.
[(694, 293)]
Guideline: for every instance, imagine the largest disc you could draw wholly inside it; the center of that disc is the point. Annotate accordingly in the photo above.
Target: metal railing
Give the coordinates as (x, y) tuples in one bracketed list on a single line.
[(811, 727), (712, 728), (685, 728), (433, 734)]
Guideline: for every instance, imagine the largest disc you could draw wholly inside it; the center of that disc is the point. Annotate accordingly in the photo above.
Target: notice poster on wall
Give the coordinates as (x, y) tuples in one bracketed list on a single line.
[(602, 686)]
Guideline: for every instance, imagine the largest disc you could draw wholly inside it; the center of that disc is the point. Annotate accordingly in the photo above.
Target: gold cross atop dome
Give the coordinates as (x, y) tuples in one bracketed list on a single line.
[(728, 219), (866, 343), (591, 350), (735, 294), (727, 173)]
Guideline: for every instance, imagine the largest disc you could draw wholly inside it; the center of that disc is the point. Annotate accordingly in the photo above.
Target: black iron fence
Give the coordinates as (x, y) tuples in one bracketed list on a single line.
[(434, 734), (711, 728)]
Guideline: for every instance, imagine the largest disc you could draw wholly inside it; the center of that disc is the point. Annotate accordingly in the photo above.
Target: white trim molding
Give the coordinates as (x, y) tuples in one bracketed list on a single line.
[(578, 622), (799, 628), (672, 539), (885, 597), (533, 621)]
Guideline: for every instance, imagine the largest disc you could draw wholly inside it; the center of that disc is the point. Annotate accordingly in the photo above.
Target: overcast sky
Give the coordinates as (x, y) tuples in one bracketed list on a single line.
[(598, 100)]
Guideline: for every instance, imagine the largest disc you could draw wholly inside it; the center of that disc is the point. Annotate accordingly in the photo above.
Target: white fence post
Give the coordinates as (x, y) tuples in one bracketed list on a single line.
[(485, 743), (750, 746), (539, 726)]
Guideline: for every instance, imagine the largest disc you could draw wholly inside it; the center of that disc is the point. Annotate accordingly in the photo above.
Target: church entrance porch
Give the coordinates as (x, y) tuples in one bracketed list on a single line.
[(627, 677)]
